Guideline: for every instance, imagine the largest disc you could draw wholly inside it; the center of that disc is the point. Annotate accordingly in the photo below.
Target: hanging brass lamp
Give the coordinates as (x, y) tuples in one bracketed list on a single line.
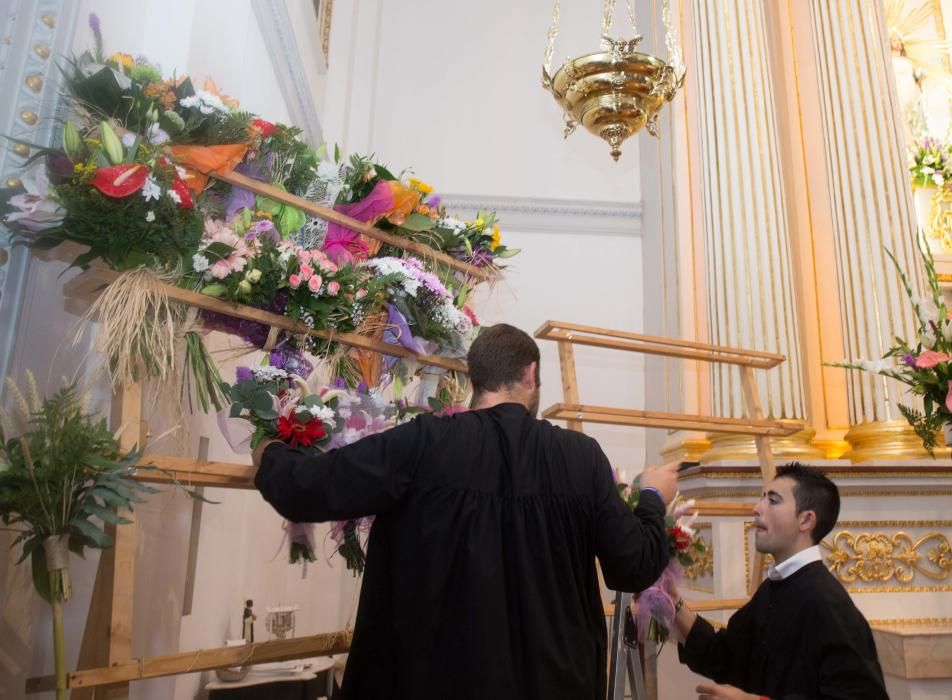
[(617, 91)]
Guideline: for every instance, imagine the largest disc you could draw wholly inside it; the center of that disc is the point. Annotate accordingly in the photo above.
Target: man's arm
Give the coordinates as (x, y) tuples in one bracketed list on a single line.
[(361, 479), (632, 547), (715, 654)]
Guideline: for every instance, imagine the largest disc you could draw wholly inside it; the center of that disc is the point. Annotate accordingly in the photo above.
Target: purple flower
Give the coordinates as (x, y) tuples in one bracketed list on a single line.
[(290, 359), (909, 360), (362, 387), (433, 201), (59, 168), (263, 228), (243, 374), (238, 200), (97, 33), (339, 383)]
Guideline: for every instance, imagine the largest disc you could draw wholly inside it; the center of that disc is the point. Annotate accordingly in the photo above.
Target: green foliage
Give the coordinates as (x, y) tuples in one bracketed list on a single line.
[(118, 230), (64, 474)]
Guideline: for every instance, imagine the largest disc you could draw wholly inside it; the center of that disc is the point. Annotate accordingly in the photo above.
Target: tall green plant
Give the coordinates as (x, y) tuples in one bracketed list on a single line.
[(63, 477)]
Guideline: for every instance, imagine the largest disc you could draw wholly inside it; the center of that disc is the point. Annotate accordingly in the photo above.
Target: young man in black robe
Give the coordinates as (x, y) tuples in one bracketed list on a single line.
[(800, 637), (480, 579)]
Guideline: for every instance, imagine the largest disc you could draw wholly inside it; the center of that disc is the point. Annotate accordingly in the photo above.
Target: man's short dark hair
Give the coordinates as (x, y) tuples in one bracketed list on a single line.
[(814, 491), (499, 356)]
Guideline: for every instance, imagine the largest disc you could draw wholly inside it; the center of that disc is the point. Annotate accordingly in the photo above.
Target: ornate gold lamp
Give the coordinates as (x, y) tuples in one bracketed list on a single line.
[(617, 91)]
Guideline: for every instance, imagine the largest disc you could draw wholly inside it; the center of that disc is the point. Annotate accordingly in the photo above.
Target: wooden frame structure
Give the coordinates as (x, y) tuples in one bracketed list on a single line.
[(105, 657), (575, 413)]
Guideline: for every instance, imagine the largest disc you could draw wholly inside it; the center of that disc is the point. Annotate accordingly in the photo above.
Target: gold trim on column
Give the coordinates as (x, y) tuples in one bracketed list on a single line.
[(799, 446), (685, 450), (891, 440), (834, 449)]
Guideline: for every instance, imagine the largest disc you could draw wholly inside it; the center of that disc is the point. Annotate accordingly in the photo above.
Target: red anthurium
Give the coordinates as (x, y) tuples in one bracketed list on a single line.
[(120, 180), (300, 434), (181, 189), (266, 128)]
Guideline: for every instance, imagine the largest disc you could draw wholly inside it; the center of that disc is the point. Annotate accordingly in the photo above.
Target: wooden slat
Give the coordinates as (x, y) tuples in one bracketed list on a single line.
[(557, 330), (569, 380), (366, 229), (716, 508), (768, 469), (203, 301), (203, 660), (195, 473), (657, 419), (697, 606), (657, 349)]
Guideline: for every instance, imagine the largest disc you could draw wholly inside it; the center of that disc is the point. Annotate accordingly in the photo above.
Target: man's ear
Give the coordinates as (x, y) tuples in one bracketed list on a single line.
[(807, 520), (528, 378)]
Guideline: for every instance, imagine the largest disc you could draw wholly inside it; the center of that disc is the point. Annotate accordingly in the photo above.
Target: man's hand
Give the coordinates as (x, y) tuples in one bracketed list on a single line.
[(663, 478), (259, 452), (723, 692)]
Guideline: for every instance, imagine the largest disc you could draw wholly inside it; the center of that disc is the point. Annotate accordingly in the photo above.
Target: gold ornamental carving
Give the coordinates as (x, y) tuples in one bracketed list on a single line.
[(883, 558), (703, 565)]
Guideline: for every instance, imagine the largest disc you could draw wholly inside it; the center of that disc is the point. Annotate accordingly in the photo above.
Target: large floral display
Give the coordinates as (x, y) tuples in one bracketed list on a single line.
[(138, 186)]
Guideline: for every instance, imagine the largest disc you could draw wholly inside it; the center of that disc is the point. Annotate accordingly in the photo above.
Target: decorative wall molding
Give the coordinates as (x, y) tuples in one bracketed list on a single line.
[(34, 34), (903, 561), (288, 61), (553, 215)]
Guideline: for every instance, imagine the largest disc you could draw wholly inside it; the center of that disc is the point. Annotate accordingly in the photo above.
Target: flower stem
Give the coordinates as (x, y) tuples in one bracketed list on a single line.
[(59, 641)]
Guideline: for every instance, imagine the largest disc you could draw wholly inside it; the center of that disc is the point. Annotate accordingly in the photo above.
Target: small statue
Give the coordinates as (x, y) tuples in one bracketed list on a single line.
[(248, 622)]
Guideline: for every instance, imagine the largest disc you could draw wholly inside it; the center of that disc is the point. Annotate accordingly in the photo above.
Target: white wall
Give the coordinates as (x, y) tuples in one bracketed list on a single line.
[(453, 90)]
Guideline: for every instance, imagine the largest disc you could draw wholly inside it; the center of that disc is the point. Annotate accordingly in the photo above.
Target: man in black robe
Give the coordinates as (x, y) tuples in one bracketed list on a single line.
[(480, 578), (800, 637)]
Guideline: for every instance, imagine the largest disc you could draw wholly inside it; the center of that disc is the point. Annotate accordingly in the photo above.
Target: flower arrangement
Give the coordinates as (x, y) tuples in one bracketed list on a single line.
[(930, 163), (654, 617), (922, 364), (132, 182), (59, 474)]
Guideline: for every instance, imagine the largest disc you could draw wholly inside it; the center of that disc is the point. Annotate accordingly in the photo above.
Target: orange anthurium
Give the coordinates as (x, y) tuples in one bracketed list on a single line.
[(120, 180)]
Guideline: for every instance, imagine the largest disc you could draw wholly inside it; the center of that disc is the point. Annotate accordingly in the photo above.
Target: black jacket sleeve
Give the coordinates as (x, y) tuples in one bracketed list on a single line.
[(715, 654), (365, 478), (632, 547)]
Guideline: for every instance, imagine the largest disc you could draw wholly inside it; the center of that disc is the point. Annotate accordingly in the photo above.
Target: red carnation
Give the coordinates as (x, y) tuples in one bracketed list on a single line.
[(120, 180), (266, 128), (681, 539), (292, 431)]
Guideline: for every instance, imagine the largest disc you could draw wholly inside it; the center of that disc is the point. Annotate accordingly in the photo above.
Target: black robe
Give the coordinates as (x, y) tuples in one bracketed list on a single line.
[(800, 638), (480, 578)]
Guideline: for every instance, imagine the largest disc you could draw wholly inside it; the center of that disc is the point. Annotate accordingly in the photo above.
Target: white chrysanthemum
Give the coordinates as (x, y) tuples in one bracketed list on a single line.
[(151, 190), (199, 262), (206, 102)]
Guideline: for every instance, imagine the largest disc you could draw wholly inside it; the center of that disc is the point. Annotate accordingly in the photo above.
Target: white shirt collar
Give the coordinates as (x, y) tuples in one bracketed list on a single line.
[(790, 566)]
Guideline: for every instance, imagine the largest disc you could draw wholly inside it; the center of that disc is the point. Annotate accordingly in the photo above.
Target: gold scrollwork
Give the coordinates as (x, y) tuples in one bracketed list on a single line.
[(703, 565), (882, 558)]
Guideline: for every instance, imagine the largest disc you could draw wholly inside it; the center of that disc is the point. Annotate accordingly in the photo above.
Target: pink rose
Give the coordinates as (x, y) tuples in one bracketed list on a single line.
[(333, 288), (930, 358), (314, 284), (305, 256), (306, 271), (294, 281), (361, 293)]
